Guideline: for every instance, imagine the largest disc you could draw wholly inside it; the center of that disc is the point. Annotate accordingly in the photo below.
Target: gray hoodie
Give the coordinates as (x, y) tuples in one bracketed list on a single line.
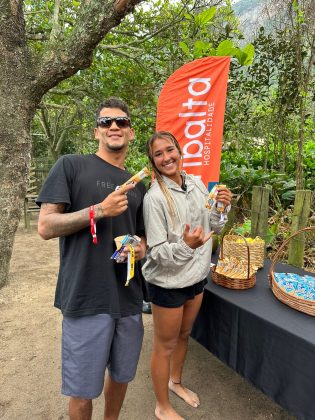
[(171, 263)]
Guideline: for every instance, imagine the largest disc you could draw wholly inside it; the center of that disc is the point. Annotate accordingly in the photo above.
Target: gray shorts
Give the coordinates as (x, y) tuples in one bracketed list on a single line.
[(92, 343)]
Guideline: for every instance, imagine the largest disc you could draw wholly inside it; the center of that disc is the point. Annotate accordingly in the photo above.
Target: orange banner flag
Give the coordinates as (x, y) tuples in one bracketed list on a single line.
[(191, 106)]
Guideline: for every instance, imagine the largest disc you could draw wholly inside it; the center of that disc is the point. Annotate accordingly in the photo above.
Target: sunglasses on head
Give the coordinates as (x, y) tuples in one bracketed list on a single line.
[(106, 122)]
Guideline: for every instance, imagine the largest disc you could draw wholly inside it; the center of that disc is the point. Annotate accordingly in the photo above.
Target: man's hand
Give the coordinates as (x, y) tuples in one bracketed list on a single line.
[(53, 222), (224, 196), (140, 250), (116, 202), (196, 238)]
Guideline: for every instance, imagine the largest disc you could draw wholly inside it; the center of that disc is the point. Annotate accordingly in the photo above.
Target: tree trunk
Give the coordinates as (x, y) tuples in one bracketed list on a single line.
[(25, 77), (299, 159), (15, 146), (16, 112)]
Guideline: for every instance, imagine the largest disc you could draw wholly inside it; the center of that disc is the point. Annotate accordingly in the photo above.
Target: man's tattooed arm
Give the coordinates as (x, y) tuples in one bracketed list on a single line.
[(53, 222)]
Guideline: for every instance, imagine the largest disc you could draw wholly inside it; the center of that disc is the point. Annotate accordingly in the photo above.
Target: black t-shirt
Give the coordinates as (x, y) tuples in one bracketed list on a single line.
[(89, 282)]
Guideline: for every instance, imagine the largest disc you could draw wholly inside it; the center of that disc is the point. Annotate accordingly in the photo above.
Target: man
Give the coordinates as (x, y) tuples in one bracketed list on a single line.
[(102, 322)]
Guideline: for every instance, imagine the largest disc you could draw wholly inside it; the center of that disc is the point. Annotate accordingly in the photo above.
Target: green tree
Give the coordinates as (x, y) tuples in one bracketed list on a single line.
[(141, 54), (302, 32), (263, 119), (68, 33)]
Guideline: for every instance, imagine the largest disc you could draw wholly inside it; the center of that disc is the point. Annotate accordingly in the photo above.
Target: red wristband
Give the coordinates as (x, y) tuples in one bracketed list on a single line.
[(93, 225)]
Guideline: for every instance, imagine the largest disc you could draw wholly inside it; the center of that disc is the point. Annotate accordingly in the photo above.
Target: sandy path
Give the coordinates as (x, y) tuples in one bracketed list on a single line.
[(30, 355)]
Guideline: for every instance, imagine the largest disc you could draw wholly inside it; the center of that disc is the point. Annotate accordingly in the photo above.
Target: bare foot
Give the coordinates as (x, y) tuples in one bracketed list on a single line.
[(167, 413), (186, 394)]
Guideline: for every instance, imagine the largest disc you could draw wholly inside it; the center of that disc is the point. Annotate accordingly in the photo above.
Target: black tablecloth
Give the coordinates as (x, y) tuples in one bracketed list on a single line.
[(267, 342)]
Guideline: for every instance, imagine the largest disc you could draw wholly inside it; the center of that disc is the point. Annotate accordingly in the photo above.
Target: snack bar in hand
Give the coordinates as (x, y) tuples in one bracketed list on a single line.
[(211, 200), (130, 242), (124, 242), (136, 178)]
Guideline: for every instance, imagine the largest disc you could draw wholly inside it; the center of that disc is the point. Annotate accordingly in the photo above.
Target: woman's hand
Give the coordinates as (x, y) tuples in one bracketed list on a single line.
[(224, 196), (196, 238)]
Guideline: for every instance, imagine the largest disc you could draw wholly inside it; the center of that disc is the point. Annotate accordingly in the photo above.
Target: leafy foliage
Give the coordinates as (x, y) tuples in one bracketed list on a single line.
[(262, 123)]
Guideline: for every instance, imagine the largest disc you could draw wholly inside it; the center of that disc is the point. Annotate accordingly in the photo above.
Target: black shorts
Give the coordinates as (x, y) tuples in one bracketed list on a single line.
[(174, 298)]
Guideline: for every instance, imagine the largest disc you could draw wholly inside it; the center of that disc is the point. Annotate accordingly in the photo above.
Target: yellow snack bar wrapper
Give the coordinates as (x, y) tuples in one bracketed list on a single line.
[(210, 202), (137, 177), (220, 206), (255, 240), (234, 268), (211, 199), (130, 264)]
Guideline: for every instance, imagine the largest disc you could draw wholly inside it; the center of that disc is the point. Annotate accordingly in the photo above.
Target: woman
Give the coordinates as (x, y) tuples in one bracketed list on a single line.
[(178, 229)]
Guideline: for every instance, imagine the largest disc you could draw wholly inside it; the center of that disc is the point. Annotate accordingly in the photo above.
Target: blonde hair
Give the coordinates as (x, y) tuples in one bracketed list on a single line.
[(168, 196)]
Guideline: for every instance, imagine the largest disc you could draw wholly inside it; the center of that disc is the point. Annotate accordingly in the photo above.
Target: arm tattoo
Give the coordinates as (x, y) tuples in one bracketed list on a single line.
[(58, 223)]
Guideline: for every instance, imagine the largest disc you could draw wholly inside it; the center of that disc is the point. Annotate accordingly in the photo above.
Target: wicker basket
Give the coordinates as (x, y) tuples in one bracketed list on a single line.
[(295, 302), (256, 249), (229, 282)]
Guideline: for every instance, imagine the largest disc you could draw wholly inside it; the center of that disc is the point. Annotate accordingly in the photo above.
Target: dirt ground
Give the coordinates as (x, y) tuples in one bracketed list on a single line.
[(30, 355)]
